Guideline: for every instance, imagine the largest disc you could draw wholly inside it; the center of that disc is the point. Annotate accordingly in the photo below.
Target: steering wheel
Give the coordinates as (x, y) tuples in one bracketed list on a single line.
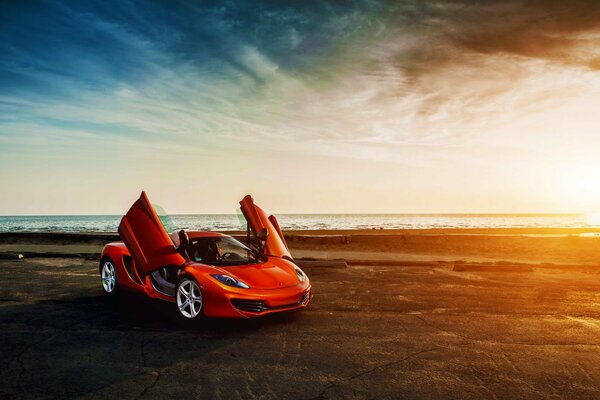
[(226, 255)]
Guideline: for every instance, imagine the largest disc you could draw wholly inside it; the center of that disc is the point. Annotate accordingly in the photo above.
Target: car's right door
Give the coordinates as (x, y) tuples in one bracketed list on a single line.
[(257, 220)]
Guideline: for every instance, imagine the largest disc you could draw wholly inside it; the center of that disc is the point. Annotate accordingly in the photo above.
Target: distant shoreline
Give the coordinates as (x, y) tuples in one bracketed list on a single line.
[(457, 214), (342, 223), (340, 232), (558, 246)]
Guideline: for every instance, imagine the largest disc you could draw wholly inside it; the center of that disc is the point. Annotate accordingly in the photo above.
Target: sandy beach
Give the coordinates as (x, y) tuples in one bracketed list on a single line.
[(405, 314)]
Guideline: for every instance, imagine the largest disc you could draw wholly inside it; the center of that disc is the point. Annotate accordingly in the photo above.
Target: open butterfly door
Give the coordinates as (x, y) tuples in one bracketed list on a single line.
[(146, 238), (258, 220)]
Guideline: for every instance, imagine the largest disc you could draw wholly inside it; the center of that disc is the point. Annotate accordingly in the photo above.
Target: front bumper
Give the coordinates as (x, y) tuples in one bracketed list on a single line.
[(254, 303), (260, 306)]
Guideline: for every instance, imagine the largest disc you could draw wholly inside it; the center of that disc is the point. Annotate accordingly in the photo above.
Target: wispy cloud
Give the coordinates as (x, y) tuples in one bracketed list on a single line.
[(400, 81)]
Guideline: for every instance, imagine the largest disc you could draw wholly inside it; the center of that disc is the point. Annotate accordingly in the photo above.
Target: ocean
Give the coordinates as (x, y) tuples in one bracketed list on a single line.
[(224, 222)]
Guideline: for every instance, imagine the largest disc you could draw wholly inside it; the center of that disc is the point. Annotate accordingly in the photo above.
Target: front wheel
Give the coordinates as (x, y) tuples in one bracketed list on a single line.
[(108, 273), (189, 298)]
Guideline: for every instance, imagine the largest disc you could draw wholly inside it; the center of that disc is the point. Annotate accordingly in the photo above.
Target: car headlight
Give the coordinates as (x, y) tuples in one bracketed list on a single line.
[(301, 274), (229, 281)]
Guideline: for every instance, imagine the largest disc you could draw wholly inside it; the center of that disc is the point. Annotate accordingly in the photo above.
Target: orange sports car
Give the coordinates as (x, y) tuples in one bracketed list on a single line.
[(206, 273)]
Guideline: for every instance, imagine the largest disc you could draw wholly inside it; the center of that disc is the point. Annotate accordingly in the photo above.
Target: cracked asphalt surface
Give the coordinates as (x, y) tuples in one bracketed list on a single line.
[(371, 332)]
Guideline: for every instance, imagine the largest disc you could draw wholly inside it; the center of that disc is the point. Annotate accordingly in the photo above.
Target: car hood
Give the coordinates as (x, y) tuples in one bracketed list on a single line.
[(273, 274)]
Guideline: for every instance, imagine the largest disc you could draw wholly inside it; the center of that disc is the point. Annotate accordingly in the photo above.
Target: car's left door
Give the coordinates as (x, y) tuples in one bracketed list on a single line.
[(146, 238)]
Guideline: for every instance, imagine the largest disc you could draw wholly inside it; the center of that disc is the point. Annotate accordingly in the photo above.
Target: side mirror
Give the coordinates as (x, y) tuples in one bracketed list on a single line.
[(257, 241), (184, 243), (262, 235), (260, 242)]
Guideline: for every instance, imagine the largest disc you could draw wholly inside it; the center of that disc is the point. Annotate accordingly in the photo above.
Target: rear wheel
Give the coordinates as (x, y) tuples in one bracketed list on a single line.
[(189, 299), (108, 273)]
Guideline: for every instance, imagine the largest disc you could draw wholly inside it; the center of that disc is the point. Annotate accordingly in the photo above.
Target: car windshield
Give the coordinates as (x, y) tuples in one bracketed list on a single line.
[(221, 251)]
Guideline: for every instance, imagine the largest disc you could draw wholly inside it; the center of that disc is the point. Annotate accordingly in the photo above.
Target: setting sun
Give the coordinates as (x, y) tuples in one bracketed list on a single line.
[(593, 219), (580, 185)]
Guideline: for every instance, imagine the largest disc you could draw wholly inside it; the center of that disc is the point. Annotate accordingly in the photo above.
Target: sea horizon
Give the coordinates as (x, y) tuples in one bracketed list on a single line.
[(306, 221)]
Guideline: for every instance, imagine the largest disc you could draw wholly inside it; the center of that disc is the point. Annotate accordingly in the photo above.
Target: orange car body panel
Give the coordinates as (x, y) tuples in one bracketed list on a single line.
[(274, 284)]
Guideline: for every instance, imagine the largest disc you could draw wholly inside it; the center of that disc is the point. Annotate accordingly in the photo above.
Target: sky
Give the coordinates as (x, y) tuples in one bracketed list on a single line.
[(420, 106)]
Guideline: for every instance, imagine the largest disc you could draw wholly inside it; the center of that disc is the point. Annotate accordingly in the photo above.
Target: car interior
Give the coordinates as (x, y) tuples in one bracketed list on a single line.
[(205, 250), (164, 279)]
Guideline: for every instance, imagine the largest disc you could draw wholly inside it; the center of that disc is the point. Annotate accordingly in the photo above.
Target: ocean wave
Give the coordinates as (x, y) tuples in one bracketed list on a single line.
[(110, 223)]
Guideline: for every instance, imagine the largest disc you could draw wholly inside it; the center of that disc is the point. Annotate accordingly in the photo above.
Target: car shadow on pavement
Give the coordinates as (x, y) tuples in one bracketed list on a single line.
[(127, 312), (82, 346)]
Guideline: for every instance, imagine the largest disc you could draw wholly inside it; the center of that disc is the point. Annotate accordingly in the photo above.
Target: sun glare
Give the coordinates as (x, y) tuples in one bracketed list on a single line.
[(593, 219), (589, 184), (580, 185)]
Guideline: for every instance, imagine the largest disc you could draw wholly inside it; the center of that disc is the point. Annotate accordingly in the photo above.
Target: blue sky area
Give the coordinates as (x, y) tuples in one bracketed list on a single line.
[(405, 106)]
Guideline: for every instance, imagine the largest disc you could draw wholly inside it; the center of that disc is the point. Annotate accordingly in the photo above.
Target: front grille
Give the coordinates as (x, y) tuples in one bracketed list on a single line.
[(304, 300), (258, 306), (255, 306)]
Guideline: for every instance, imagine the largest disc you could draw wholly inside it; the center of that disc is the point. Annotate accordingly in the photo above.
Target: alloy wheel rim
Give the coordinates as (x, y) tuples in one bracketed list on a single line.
[(189, 299), (108, 277)]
